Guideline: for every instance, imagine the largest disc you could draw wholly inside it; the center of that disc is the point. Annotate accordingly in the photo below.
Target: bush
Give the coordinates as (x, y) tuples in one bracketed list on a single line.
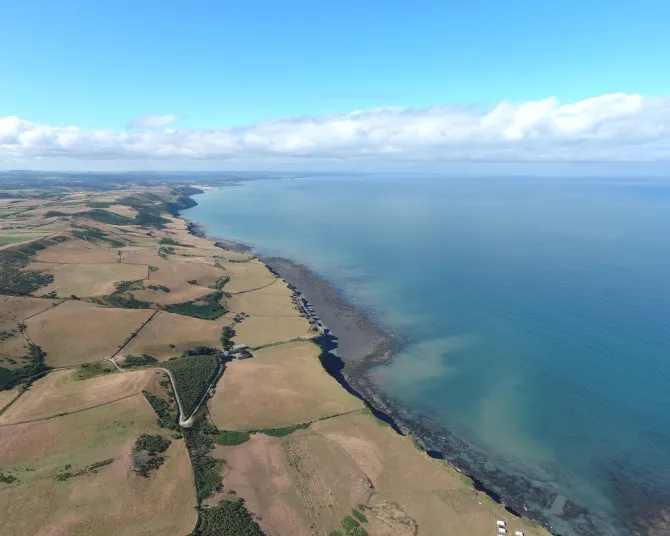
[(281, 432), (192, 374), (94, 234), (138, 361), (232, 438), (153, 444), (145, 453), (170, 242), (167, 417), (104, 216), (205, 468), (210, 309), (158, 287), (229, 518), (359, 515), (91, 370), (12, 377)]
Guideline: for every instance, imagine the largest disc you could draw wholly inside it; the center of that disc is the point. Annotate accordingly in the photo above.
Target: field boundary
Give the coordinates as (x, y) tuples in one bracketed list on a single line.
[(132, 336), (254, 289), (70, 412)]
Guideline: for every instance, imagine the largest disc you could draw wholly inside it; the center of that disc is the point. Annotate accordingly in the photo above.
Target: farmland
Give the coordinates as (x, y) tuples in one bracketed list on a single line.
[(281, 386), (85, 280), (45, 500), (170, 335), (92, 444), (60, 392), (77, 332)]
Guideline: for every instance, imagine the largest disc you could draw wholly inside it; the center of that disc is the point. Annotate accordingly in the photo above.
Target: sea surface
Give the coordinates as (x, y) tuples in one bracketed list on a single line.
[(535, 316)]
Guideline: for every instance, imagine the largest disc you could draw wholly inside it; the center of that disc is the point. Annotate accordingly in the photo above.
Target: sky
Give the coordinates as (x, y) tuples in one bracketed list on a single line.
[(211, 84)]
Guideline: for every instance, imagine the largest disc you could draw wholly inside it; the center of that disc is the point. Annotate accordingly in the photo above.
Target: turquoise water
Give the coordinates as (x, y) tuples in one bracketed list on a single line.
[(537, 314)]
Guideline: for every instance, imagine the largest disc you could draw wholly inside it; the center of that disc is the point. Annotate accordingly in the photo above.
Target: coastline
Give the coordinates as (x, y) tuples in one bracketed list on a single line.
[(352, 344)]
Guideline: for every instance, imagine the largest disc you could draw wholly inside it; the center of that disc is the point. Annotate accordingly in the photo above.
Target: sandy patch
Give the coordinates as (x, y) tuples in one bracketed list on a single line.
[(77, 332), (281, 386)]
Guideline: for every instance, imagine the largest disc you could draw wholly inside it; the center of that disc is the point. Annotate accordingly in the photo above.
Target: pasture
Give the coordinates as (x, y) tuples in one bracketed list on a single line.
[(60, 392), (88, 280), (77, 332), (74, 476), (183, 332), (262, 330), (280, 386)]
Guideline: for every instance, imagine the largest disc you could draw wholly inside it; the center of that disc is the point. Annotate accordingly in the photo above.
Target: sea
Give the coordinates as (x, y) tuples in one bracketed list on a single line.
[(534, 315)]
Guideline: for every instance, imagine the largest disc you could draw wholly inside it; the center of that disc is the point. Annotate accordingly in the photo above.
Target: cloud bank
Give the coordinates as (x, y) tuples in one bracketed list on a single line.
[(614, 127)]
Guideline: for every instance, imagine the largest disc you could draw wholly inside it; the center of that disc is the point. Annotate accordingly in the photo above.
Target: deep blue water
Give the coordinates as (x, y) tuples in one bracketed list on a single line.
[(538, 312)]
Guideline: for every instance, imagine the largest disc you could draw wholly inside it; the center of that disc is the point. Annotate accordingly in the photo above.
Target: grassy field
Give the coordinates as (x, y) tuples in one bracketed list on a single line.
[(107, 501), (311, 481), (78, 332), (59, 392), (281, 386), (261, 330), (245, 276), (274, 300), (87, 280), (76, 252), (15, 309), (7, 397), (183, 332)]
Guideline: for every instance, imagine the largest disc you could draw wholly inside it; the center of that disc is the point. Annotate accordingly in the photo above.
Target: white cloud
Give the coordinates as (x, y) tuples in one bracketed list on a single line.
[(153, 121), (616, 127)]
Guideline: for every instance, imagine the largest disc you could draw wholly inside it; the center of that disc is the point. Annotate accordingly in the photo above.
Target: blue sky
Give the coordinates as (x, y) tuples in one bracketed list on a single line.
[(98, 65)]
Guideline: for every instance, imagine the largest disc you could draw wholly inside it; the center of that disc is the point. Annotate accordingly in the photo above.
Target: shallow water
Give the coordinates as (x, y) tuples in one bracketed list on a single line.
[(537, 314)]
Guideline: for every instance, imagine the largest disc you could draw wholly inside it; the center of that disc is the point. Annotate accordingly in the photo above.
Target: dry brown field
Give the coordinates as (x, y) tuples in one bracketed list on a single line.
[(87, 280), (261, 330), (305, 484), (7, 397), (123, 210), (437, 497), (180, 291), (246, 276), (76, 251), (274, 300), (14, 309), (280, 386), (60, 392), (184, 332), (109, 501), (258, 471), (15, 347), (77, 332)]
